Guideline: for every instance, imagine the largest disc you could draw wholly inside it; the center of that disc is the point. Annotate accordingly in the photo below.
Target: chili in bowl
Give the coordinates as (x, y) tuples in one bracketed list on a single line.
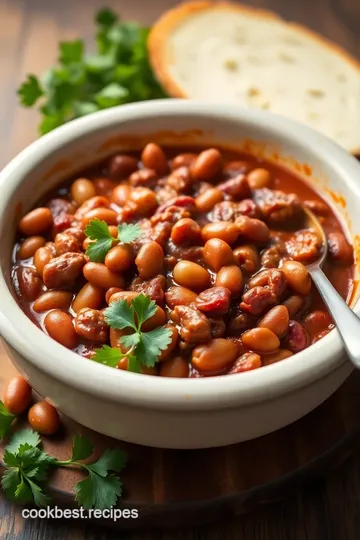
[(180, 258)]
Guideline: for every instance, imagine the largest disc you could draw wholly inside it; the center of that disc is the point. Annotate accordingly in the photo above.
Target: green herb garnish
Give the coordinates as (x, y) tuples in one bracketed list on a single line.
[(102, 241), (144, 348), (118, 72), (27, 468), (6, 420)]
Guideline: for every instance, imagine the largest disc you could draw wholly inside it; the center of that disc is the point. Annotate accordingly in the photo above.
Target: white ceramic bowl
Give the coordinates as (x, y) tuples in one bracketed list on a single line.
[(154, 411)]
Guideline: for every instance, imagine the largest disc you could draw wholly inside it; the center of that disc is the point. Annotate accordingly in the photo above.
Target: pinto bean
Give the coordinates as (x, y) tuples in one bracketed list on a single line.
[(207, 165), (207, 200), (59, 326), (230, 277), (100, 276), (277, 356), (175, 367), (120, 258), (96, 202), (150, 260), (251, 229), (36, 222), (259, 178), (276, 320), (121, 194), (44, 418), (88, 297), (214, 356), (104, 214), (144, 200), (186, 231), (82, 189), (297, 277), (217, 253), (191, 275), (29, 282), (260, 340), (29, 246), (17, 395), (61, 272), (42, 257), (53, 300), (294, 304), (225, 230), (247, 257), (90, 324), (153, 157), (246, 362), (179, 296)]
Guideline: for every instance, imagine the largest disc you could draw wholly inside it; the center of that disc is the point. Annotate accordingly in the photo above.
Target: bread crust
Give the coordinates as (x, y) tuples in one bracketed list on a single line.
[(172, 18)]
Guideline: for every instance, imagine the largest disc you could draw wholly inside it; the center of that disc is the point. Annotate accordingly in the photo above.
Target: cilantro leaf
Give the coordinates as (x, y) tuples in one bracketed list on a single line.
[(109, 356), (40, 498), (30, 91), (144, 308), (6, 419), (130, 341), (82, 448), (134, 364), (23, 492), (111, 95), (82, 108), (111, 460), (23, 439), (10, 482), (101, 240), (71, 51), (151, 344), (120, 315), (98, 492), (106, 17), (129, 232)]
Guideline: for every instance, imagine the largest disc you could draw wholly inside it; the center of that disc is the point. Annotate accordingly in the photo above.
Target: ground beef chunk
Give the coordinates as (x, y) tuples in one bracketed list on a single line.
[(277, 207), (155, 288), (193, 325)]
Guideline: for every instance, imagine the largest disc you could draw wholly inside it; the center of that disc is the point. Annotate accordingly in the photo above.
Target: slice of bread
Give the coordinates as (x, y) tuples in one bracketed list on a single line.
[(237, 54)]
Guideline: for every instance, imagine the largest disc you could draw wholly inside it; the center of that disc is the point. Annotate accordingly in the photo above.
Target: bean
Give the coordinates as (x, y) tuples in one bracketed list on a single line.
[(276, 320), (207, 200), (90, 324), (158, 319), (53, 300), (183, 160), (191, 275), (144, 199), (261, 340), (82, 189), (17, 395), (121, 165), (175, 367), (225, 230), (293, 304), (207, 165), (179, 296), (59, 326), (272, 358), (340, 250), (217, 253), (29, 246), (98, 201), (297, 276), (150, 260), (246, 362), (36, 222), (113, 230), (230, 277), (247, 257), (153, 157), (110, 292), (186, 231), (29, 282), (172, 345), (123, 295), (88, 297), (42, 257), (121, 194), (297, 338), (252, 229), (214, 356), (317, 321), (104, 214), (143, 177), (259, 178), (44, 418), (119, 258), (100, 276), (103, 186), (145, 370)]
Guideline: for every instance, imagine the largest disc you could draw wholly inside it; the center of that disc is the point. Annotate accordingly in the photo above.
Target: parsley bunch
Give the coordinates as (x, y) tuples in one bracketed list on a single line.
[(119, 72), (102, 241), (144, 348), (6, 420), (27, 468)]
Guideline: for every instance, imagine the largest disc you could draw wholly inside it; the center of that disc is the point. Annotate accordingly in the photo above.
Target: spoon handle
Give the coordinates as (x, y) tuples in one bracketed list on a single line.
[(347, 323)]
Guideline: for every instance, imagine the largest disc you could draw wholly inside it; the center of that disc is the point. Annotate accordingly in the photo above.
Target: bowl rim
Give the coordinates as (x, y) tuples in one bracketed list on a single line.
[(156, 392)]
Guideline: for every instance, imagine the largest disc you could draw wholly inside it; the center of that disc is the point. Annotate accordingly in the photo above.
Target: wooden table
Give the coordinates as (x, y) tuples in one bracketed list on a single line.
[(29, 33)]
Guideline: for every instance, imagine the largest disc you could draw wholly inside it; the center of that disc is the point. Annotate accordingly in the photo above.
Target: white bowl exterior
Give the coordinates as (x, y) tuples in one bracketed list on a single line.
[(140, 409)]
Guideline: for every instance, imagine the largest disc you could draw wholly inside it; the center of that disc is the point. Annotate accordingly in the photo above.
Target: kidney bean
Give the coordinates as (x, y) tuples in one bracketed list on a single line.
[(103, 186), (172, 345), (191, 275), (88, 297), (339, 248), (207, 200), (217, 253), (256, 300), (62, 271), (246, 362), (104, 214), (82, 189), (158, 319), (214, 301), (237, 187), (36, 222), (59, 326), (42, 256), (214, 356), (207, 165), (144, 199), (53, 300), (121, 194), (90, 324), (179, 296), (150, 260), (297, 337), (109, 294), (186, 231), (120, 258), (29, 246), (297, 277), (44, 418), (261, 340), (247, 257), (230, 277), (100, 276), (276, 320), (225, 230), (183, 160), (294, 304), (252, 229), (259, 178), (153, 157), (277, 356), (317, 321), (29, 282), (143, 177), (175, 367), (66, 243), (17, 395), (121, 166)]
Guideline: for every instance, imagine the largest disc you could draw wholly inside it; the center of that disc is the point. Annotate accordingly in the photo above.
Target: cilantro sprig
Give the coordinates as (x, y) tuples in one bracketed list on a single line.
[(143, 348), (102, 241), (118, 72), (28, 467), (6, 420)]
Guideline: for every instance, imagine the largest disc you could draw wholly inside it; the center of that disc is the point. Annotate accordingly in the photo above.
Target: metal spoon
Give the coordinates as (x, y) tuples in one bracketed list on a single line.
[(347, 323)]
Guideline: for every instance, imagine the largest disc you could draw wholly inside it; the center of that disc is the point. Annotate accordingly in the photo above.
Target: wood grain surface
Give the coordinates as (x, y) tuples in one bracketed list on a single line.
[(29, 33)]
